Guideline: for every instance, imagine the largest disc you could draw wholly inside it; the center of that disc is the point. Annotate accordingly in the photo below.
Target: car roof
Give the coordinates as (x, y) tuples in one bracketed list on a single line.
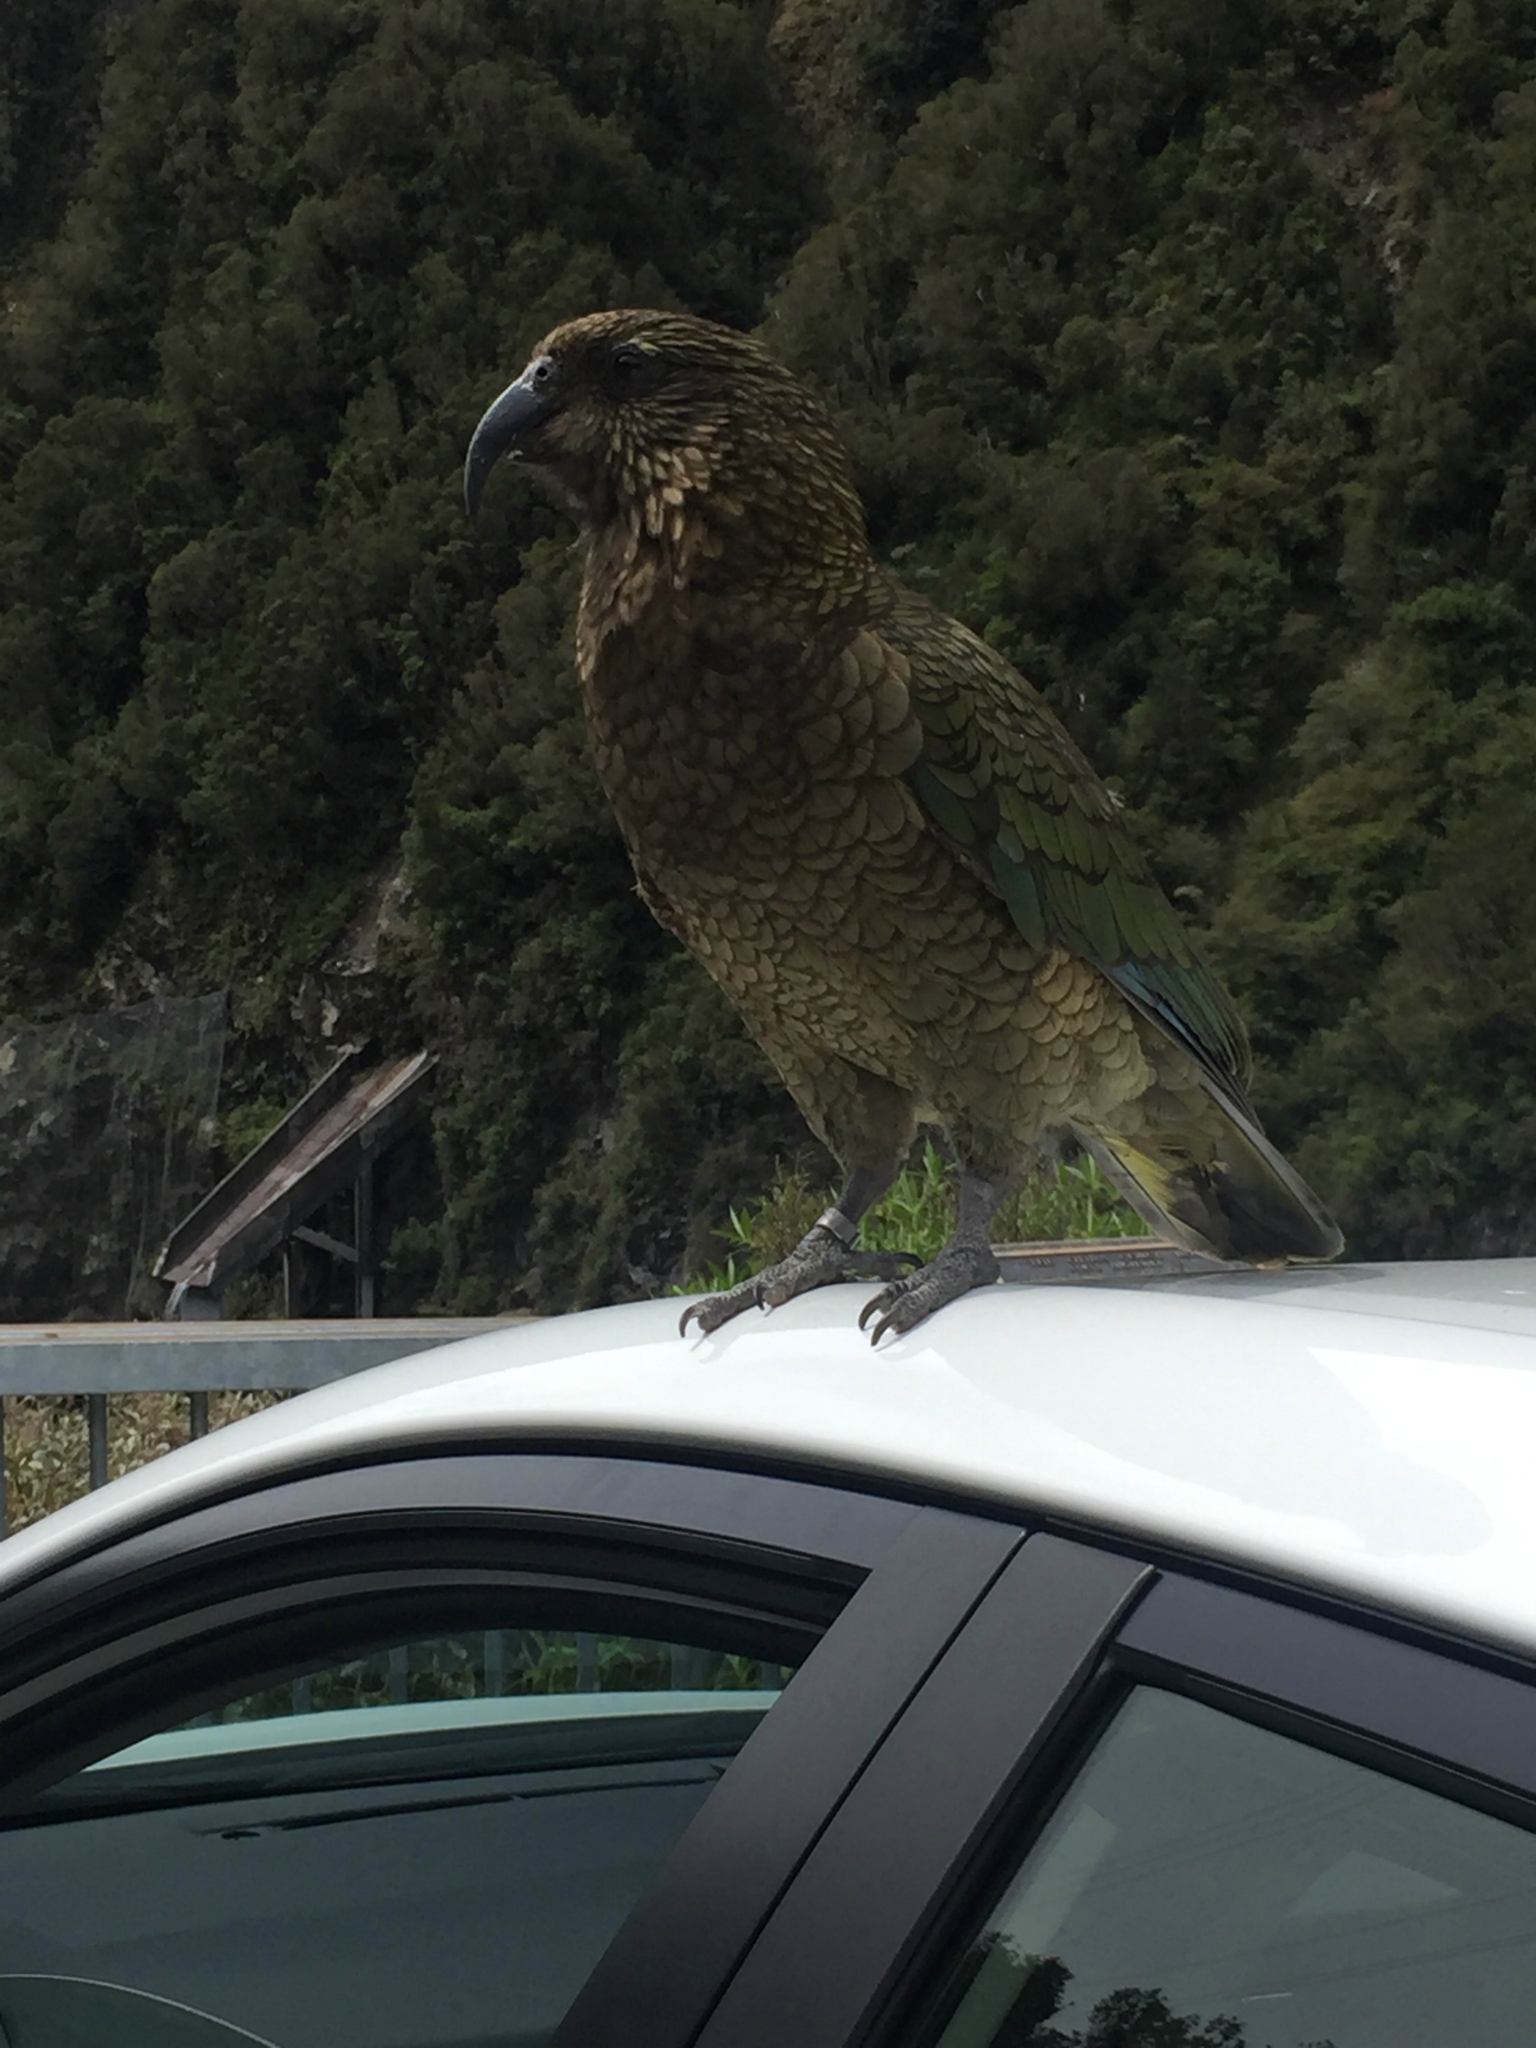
[(1368, 1430)]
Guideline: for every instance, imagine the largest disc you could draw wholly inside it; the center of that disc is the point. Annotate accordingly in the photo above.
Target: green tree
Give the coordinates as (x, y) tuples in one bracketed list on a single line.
[(1188, 351)]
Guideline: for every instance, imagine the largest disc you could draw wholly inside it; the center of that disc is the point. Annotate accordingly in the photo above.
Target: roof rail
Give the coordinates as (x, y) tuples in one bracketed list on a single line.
[(1095, 1259)]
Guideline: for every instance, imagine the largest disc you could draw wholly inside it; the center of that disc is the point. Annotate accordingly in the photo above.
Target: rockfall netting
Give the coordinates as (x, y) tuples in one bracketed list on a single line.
[(106, 1132)]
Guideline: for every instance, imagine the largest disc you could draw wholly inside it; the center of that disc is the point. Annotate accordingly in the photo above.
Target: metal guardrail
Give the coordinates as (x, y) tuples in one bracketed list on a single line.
[(96, 1360)]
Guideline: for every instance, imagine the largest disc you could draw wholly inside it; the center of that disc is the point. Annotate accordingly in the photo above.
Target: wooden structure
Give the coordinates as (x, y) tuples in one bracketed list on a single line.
[(326, 1143)]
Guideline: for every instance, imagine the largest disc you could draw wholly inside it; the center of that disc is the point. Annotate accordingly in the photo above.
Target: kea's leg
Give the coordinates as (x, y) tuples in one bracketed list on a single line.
[(869, 1125), (967, 1261), (824, 1255)]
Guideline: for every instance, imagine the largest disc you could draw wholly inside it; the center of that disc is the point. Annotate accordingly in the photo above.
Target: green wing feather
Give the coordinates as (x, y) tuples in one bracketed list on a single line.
[(1004, 781)]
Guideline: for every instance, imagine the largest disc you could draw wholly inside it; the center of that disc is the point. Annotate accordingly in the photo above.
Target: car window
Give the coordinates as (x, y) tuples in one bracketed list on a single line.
[(1209, 1884), (72, 2012), (427, 1844)]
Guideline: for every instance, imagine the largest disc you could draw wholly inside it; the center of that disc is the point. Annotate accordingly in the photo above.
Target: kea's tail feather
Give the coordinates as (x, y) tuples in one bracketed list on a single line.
[(1245, 1204)]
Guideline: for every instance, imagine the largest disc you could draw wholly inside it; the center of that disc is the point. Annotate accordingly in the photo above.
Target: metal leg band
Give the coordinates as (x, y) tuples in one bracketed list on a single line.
[(842, 1228)]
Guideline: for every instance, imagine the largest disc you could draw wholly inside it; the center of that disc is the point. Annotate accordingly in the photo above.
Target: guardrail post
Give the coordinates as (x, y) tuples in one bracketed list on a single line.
[(197, 1414), (96, 1434)]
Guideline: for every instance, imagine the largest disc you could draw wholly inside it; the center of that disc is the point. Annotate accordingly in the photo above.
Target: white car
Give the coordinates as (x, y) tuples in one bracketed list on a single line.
[(1114, 1666)]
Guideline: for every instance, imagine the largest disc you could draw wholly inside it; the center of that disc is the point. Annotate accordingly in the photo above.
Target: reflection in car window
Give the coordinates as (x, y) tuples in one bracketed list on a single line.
[(72, 2012), (496, 1663), (1208, 1884), (428, 1846)]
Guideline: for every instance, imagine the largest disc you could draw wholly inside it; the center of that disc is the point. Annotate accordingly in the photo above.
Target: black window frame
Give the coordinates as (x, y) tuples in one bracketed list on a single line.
[(902, 1878), (869, 1592), (879, 1896), (1363, 1686)]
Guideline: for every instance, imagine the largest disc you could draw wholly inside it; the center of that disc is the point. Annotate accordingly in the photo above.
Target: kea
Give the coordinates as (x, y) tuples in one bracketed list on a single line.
[(870, 829)]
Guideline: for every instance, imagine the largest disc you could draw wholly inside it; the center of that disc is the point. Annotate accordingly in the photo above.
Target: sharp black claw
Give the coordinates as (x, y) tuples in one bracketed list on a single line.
[(716, 1310), (891, 1321)]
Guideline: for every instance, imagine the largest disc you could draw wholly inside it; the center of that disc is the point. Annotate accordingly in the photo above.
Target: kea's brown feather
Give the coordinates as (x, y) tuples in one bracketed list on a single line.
[(869, 828)]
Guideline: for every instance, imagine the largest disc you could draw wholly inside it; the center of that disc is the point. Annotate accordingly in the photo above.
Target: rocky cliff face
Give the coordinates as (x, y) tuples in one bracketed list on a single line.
[(107, 1136)]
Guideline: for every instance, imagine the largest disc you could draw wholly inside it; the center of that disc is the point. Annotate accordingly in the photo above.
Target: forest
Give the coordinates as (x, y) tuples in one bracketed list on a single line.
[(1187, 350)]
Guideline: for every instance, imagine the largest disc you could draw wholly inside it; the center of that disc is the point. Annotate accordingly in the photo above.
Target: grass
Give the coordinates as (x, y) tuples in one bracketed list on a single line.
[(47, 1450), (1070, 1198)]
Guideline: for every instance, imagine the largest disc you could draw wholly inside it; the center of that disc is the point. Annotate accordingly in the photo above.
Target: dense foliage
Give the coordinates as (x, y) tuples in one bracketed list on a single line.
[(1188, 349)]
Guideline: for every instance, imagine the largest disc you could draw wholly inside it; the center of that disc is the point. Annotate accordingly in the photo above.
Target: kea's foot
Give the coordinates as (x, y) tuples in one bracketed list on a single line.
[(818, 1260), (910, 1300)]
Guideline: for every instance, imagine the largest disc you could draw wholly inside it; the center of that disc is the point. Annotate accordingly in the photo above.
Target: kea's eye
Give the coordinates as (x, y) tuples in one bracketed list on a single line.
[(633, 369)]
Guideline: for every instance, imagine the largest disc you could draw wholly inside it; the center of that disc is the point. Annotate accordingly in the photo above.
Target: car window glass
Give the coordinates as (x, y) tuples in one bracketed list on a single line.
[(427, 1844), (1209, 1884), (72, 2012)]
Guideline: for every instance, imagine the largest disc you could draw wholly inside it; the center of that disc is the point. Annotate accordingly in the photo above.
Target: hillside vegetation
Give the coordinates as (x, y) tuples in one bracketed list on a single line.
[(1188, 350)]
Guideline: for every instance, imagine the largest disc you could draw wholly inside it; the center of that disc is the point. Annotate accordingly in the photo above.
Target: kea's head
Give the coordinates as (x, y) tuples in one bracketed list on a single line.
[(654, 419)]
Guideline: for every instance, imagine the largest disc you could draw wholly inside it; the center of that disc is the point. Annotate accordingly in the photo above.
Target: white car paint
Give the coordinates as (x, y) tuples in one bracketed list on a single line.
[(1370, 1430)]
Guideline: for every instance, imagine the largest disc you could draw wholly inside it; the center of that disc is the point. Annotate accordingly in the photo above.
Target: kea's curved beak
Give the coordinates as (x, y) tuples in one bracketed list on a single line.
[(520, 408)]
